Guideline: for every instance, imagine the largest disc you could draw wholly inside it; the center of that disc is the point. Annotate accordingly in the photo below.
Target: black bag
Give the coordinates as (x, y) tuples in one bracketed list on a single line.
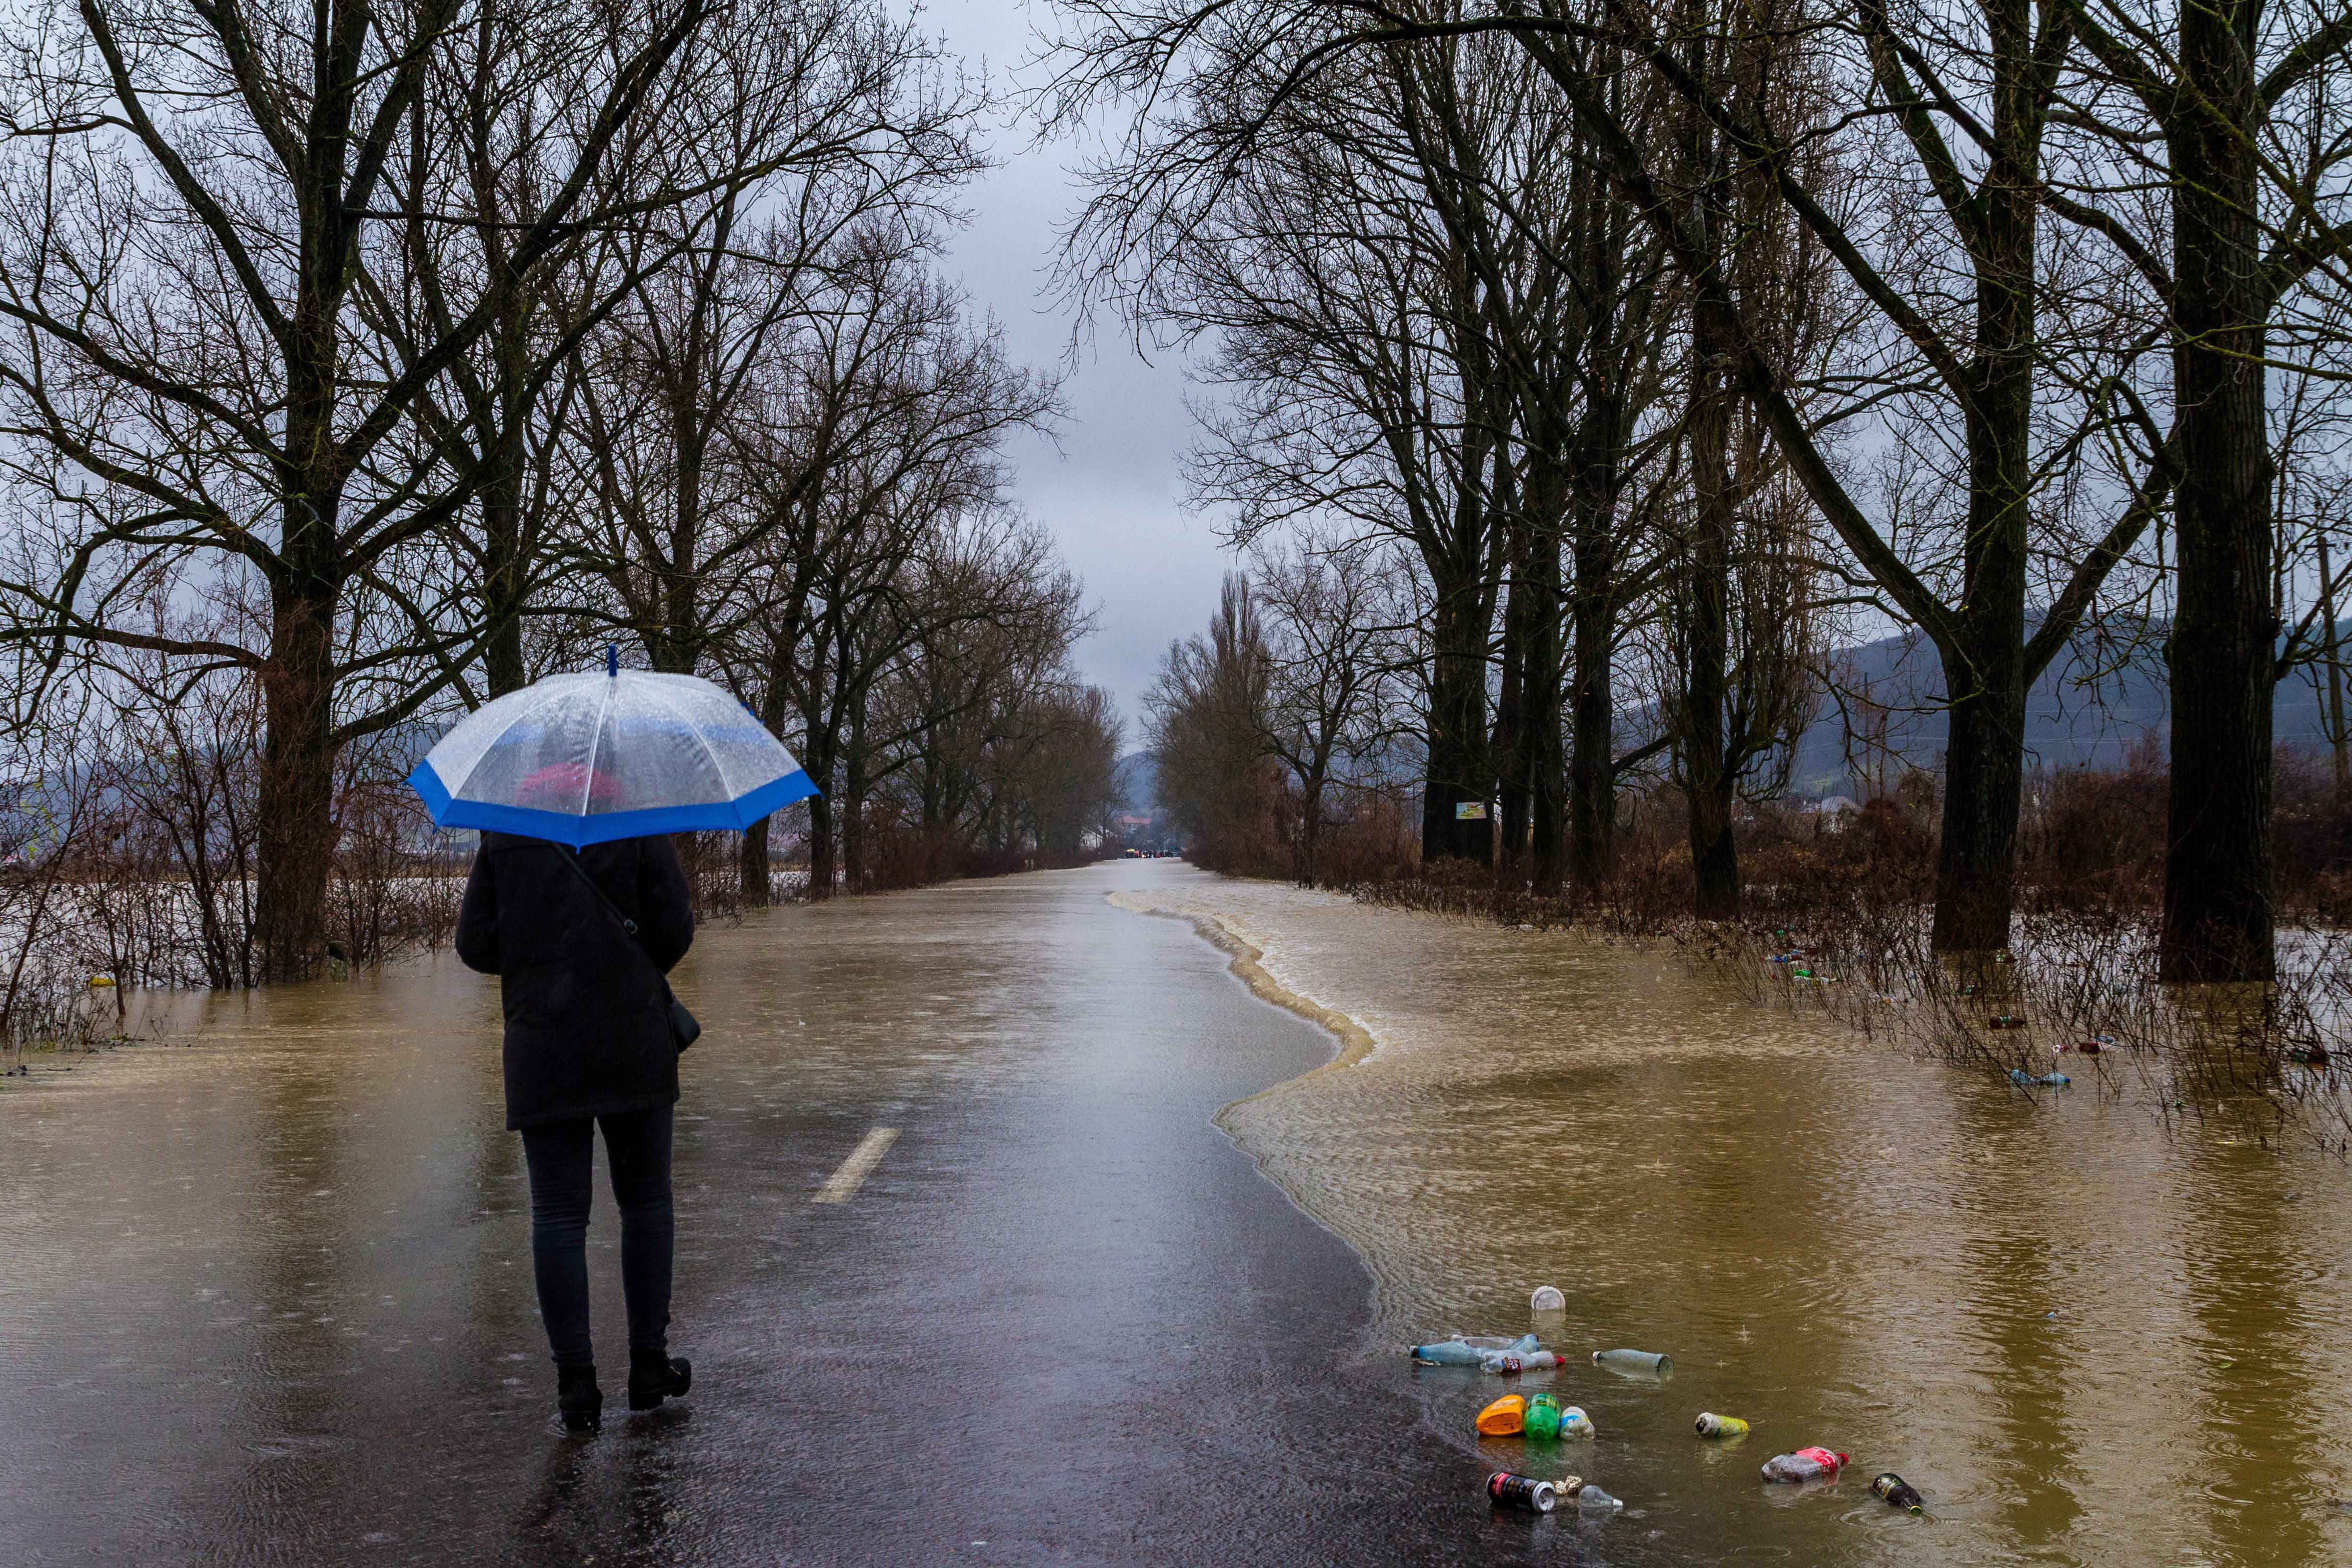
[(684, 1027)]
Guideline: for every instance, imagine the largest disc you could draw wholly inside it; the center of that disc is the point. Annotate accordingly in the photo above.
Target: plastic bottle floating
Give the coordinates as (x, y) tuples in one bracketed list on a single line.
[(1645, 1364), (1504, 1363), (2024, 1079), (1506, 1417), (2005, 1021), (1713, 1426), (1804, 1465), (1547, 1299), (1898, 1492), (1460, 1351)]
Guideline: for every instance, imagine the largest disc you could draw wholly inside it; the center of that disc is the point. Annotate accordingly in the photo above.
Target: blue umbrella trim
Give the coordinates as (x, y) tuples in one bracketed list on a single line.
[(563, 827)]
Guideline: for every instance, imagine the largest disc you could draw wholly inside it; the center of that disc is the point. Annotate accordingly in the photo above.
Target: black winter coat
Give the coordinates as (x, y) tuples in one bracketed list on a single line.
[(587, 1015)]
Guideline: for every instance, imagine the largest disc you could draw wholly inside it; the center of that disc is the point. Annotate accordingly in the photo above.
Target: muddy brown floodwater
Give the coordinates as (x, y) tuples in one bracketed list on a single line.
[(2087, 1338)]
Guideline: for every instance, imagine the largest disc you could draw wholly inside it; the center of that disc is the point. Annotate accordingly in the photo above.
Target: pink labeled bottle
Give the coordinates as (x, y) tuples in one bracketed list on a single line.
[(1804, 1465)]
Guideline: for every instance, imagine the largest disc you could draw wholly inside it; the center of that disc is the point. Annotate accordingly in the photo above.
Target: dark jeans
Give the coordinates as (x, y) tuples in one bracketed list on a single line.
[(561, 1156)]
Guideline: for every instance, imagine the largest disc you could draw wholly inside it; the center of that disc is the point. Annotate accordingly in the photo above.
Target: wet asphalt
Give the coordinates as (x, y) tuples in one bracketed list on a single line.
[(1063, 1318)]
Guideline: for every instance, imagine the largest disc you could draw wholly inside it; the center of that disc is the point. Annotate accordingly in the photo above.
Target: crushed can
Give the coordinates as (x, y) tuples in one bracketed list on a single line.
[(1505, 1490)]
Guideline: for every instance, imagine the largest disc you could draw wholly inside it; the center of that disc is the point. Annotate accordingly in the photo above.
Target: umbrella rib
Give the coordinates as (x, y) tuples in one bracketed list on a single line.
[(596, 747)]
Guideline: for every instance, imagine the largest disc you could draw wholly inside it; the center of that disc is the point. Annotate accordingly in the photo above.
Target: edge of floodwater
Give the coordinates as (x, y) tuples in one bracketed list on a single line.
[(1247, 964), (1357, 1045)]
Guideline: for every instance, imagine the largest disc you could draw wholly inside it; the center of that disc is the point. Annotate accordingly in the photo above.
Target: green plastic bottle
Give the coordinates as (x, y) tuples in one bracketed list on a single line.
[(1543, 1417)]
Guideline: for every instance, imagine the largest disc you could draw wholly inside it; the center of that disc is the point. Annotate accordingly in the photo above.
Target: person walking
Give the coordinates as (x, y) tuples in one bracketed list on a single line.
[(581, 942)]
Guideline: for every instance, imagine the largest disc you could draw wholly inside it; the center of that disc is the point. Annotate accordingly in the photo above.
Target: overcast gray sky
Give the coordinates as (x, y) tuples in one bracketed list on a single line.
[(1111, 493)]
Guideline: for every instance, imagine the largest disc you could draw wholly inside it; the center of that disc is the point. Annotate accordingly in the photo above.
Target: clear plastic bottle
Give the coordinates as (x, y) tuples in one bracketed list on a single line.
[(1504, 1363), (1458, 1351), (1574, 1421), (1635, 1363), (1804, 1465)]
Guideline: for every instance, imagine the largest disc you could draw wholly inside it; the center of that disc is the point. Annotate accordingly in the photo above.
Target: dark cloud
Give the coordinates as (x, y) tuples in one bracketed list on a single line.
[(1111, 492)]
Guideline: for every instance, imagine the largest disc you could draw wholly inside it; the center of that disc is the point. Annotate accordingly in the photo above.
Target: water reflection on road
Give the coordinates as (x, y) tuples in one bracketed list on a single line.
[(2087, 1338)]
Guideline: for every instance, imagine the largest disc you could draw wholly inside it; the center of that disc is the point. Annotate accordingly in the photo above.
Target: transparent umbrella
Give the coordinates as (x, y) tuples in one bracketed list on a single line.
[(584, 759)]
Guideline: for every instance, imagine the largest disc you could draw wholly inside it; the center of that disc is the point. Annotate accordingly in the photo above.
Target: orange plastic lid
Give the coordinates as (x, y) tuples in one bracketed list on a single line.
[(1505, 1417)]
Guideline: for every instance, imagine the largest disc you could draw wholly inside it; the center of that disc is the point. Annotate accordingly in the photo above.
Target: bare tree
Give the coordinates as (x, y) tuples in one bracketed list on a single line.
[(1207, 728), (190, 199), (1328, 626), (1946, 254)]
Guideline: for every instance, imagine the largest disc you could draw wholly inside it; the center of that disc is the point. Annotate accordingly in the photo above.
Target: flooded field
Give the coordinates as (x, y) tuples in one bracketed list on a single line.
[(2087, 1338)]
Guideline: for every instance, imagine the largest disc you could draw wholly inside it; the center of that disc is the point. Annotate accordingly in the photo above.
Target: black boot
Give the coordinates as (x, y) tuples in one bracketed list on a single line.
[(657, 1375), (577, 1397)]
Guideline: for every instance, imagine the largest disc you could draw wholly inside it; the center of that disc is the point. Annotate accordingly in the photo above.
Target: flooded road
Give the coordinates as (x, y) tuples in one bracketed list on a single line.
[(267, 1296), (2085, 1339)]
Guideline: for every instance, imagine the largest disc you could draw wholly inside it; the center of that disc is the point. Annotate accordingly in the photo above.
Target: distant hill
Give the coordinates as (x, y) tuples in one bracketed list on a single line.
[(2090, 707), (1139, 781)]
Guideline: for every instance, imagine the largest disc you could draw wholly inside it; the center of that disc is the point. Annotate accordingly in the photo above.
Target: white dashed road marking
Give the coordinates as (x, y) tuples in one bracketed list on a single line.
[(843, 1184)]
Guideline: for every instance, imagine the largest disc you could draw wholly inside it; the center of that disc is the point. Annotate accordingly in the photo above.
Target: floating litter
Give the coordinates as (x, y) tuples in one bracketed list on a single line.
[(1547, 1299)]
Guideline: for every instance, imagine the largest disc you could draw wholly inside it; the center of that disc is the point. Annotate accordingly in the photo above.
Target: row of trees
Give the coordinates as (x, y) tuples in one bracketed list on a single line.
[(1661, 343), (358, 364)]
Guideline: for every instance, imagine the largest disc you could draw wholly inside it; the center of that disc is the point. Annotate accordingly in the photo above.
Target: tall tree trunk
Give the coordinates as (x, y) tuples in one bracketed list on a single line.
[(1592, 756), (821, 844), (1457, 774), (752, 866), (1708, 778), (853, 790), (1977, 859), (755, 861), (506, 565), (1702, 744), (1310, 825), (1543, 761), (2222, 651), (1984, 671), (506, 556), (1984, 681), (1510, 716), (297, 803), (2336, 737)]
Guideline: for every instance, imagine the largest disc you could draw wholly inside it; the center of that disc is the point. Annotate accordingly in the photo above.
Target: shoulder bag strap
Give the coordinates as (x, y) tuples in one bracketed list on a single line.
[(682, 1022)]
